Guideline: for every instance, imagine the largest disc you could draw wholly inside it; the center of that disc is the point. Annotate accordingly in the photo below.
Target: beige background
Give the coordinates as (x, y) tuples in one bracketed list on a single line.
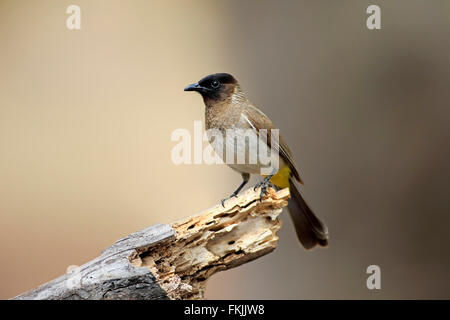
[(86, 118)]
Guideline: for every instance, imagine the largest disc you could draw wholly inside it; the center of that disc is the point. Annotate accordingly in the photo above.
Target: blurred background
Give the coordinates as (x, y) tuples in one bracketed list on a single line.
[(86, 118)]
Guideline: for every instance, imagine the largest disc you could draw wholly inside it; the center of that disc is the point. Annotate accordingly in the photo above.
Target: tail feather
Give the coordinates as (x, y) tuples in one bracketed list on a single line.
[(310, 230)]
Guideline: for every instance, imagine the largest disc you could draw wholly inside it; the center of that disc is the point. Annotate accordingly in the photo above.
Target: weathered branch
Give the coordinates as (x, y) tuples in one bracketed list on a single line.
[(175, 261)]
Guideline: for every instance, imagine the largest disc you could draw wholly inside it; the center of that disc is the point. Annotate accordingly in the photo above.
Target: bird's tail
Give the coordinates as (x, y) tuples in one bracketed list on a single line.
[(310, 230)]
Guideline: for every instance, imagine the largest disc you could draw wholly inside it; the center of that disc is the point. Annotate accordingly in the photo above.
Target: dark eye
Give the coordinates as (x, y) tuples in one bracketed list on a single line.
[(215, 84)]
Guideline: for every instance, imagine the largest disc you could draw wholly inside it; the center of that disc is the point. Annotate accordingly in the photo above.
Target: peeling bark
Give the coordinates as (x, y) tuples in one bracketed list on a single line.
[(175, 261)]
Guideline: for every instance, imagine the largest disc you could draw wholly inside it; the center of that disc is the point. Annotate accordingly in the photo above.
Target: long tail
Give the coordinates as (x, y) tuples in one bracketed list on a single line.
[(310, 230)]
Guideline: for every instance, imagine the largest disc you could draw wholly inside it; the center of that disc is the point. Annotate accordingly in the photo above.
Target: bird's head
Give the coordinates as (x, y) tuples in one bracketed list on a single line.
[(215, 87)]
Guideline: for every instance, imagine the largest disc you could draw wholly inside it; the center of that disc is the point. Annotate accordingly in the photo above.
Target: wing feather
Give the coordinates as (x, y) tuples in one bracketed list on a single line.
[(257, 120)]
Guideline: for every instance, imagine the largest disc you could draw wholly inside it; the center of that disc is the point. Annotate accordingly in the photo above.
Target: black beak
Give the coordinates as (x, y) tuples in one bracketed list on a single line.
[(193, 87)]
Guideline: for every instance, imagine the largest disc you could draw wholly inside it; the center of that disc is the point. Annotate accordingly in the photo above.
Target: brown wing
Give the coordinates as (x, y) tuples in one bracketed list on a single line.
[(258, 120)]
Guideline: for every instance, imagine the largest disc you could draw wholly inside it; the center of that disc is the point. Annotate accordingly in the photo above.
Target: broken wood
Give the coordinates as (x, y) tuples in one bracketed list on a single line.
[(175, 261)]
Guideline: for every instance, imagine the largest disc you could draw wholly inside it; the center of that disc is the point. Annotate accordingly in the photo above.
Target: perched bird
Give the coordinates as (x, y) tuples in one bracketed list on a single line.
[(227, 109)]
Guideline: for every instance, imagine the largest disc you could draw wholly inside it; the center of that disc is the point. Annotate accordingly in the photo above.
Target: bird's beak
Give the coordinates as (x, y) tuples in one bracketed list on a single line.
[(193, 87)]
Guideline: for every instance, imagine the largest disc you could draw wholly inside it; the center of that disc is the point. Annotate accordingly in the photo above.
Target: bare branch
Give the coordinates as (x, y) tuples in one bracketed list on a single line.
[(175, 261)]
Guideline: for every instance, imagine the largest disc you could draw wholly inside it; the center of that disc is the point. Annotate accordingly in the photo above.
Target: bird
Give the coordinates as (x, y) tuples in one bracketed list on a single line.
[(227, 109)]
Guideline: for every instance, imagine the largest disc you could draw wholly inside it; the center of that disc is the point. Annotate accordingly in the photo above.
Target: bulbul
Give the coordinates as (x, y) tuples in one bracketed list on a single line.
[(228, 108)]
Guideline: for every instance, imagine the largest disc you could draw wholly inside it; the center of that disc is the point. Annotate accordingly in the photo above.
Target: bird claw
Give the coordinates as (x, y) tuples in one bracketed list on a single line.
[(264, 185), (234, 195)]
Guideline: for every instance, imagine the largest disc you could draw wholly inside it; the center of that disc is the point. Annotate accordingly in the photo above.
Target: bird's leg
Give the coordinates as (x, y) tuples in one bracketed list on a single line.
[(265, 184), (245, 178)]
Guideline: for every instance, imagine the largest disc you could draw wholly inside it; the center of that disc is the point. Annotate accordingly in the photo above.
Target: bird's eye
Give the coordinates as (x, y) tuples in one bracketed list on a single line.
[(215, 84)]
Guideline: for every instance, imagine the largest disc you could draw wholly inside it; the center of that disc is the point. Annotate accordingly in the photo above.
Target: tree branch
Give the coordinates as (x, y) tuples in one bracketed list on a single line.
[(175, 261)]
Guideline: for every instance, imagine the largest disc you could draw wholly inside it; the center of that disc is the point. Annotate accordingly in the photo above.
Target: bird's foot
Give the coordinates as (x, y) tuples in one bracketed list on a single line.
[(264, 185), (233, 195)]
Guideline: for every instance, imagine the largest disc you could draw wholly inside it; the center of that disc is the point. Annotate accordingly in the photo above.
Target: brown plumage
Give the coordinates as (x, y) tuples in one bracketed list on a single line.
[(227, 107)]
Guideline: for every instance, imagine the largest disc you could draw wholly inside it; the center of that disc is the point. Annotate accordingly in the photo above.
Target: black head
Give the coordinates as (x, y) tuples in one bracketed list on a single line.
[(215, 86)]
